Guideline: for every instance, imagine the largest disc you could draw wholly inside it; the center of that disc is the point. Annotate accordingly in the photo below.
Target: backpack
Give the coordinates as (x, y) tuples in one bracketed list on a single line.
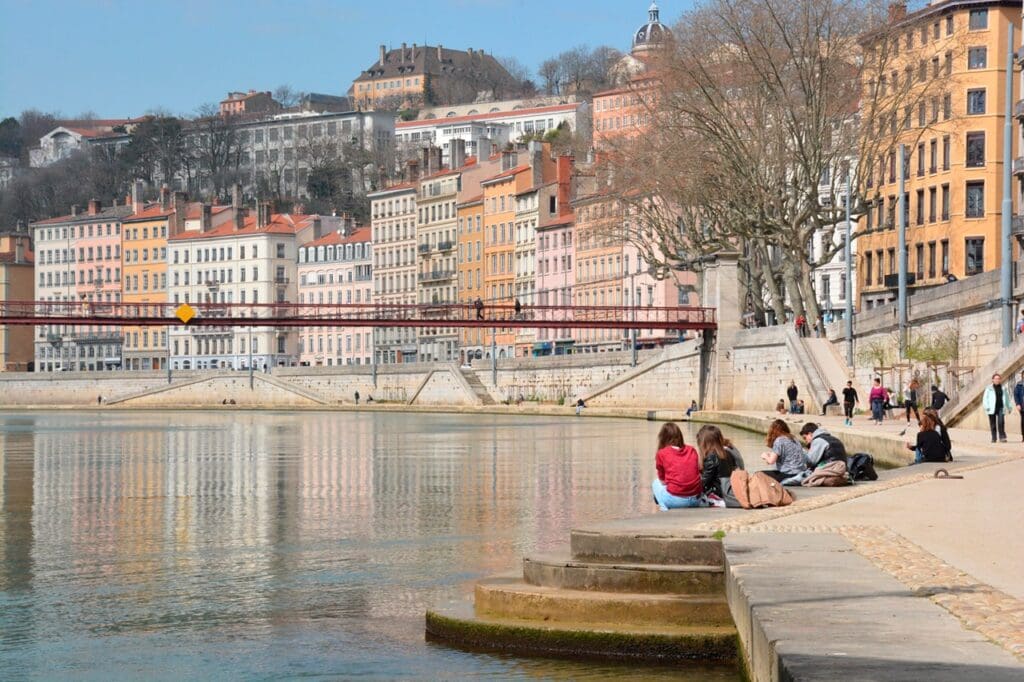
[(835, 452), (757, 490), (862, 467)]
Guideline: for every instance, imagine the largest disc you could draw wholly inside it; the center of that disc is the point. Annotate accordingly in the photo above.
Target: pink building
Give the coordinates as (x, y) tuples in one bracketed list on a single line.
[(676, 290), (336, 269), (555, 279)]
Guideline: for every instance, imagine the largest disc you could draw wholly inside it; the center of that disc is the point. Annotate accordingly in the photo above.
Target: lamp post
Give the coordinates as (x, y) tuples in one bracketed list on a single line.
[(632, 330), (848, 294), (1006, 247), (901, 255)]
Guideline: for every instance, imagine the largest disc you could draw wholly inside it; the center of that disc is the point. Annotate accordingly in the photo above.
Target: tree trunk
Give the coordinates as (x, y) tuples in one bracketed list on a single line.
[(775, 297)]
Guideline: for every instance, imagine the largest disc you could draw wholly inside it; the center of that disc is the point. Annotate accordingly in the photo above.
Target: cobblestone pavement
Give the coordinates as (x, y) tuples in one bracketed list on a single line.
[(980, 607)]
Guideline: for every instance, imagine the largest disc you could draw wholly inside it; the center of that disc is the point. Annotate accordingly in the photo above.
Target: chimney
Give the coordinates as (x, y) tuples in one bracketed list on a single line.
[(425, 165), (236, 196), (509, 160), (318, 227), (74, 210), (402, 58), (114, 204), (383, 54), (137, 197), (19, 250), (439, 52), (564, 170), (165, 197), (412, 170), (177, 224), (205, 218), (94, 206), (536, 150), (348, 223), (469, 51), (458, 153), (262, 214), (897, 11), (435, 159)]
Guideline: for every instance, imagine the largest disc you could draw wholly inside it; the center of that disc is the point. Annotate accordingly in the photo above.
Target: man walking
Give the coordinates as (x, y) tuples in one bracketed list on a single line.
[(939, 399), (792, 393), (479, 306), (997, 404), (850, 400)]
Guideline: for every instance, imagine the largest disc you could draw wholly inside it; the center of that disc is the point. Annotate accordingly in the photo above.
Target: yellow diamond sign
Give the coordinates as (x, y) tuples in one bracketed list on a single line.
[(185, 312)]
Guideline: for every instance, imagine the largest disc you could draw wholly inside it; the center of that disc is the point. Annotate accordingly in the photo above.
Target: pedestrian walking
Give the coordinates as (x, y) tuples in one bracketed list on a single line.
[(910, 400), (1020, 323), (877, 398), (1018, 400), (792, 392), (801, 325), (996, 402), (518, 307), (939, 399), (479, 306), (850, 400)]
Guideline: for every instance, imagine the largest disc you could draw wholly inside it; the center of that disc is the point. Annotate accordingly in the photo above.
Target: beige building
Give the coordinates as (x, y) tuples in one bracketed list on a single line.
[(954, 138), (17, 283), (393, 226)]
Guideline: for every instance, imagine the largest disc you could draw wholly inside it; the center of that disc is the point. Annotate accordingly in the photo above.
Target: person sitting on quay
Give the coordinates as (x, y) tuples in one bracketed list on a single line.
[(822, 446), (692, 408), (678, 483), (780, 407), (580, 405), (929, 446), (720, 459), (833, 399), (996, 403), (801, 408), (785, 455), (939, 399), (942, 430)]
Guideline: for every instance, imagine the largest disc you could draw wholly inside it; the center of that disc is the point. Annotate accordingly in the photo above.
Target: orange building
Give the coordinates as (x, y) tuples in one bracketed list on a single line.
[(17, 283), (471, 258)]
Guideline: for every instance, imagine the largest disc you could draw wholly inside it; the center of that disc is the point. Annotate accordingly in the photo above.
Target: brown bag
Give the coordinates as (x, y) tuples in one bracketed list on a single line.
[(757, 490)]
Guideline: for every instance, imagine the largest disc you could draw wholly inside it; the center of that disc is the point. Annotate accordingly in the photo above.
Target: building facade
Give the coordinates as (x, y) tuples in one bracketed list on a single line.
[(17, 283), (437, 278), (955, 52), (393, 225)]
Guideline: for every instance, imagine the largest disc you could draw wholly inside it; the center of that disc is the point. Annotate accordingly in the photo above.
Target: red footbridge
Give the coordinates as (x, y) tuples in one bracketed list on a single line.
[(354, 315)]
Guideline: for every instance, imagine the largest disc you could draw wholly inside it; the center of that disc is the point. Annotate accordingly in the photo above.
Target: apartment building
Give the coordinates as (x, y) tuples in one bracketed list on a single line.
[(78, 261), (16, 284), (393, 225), (250, 260), (950, 58), (471, 264), (600, 247), (336, 269)]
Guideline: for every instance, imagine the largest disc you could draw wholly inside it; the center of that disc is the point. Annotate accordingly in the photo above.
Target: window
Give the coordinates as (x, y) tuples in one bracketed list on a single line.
[(978, 19), (974, 250), (945, 153), (920, 207), (949, 25), (977, 58), (975, 150), (933, 147), (975, 199), (280, 250), (868, 266), (892, 261), (976, 101), (920, 158), (931, 260), (947, 107), (945, 257), (945, 202), (919, 255), (932, 204)]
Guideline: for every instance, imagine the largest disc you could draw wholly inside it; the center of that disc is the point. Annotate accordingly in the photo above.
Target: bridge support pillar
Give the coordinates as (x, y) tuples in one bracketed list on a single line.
[(720, 290)]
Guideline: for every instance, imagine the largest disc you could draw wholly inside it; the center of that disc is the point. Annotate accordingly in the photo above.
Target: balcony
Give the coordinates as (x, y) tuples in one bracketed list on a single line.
[(424, 249), (1018, 165), (97, 337), (437, 276), (281, 279), (446, 246), (1017, 226), (1018, 108)]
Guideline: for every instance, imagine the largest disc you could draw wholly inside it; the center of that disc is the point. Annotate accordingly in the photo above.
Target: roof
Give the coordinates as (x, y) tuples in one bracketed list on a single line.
[(433, 122), (394, 188), (108, 213), (194, 211), (359, 235), (150, 212), (280, 223), (561, 221), (7, 257), (478, 199), (505, 175), (408, 61)]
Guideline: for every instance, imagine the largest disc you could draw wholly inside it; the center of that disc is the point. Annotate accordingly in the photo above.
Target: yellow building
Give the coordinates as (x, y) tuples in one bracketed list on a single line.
[(471, 257), (940, 74), (144, 277)]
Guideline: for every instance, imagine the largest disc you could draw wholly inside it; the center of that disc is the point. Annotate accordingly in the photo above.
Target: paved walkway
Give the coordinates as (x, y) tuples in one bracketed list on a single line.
[(958, 541)]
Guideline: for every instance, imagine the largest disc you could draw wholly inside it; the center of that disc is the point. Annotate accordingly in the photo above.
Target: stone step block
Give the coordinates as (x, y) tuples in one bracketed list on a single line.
[(511, 597), (684, 548), (457, 625), (565, 572)]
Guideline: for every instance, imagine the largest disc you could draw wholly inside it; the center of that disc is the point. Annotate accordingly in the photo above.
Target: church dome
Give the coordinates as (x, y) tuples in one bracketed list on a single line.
[(653, 32)]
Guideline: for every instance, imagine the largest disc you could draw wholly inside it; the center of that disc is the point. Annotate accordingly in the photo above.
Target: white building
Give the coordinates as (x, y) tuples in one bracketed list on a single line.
[(830, 278), (249, 260), (336, 269), (65, 140), (393, 223)]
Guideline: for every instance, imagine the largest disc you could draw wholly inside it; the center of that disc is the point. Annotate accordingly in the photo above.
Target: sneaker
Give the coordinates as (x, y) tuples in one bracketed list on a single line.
[(1002, 440)]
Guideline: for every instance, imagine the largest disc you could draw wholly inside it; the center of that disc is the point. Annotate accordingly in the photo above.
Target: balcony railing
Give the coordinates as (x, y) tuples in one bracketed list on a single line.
[(281, 279), (424, 249), (446, 246), (96, 337), (437, 276)]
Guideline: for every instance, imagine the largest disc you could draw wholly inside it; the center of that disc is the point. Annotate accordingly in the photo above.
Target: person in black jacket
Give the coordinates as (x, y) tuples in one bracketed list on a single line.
[(940, 428), (720, 458), (792, 392), (939, 399), (929, 446)]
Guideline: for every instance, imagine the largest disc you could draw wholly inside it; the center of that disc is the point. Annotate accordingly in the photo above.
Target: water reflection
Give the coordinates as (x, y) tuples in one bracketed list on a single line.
[(280, 544)]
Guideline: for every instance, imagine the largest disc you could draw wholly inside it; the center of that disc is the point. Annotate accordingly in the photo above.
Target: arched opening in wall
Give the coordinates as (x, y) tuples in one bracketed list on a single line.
[(501, 354)]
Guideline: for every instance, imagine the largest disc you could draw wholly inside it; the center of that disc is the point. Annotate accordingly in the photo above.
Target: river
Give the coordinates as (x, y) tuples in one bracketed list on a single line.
[(269, 545)]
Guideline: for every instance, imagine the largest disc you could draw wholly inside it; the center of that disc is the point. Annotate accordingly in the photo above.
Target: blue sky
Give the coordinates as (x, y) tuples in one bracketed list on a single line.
[(121, 58)]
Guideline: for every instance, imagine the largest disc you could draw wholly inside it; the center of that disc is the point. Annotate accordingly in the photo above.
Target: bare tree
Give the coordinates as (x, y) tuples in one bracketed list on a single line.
[(287, 96), (551, 76), (215, 148)]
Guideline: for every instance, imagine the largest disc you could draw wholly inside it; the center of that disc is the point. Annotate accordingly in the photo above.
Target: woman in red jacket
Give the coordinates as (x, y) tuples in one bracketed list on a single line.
[(678, 464)]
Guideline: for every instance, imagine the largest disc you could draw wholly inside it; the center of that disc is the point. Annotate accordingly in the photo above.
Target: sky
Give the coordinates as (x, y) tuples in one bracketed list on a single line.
[(123, 58)]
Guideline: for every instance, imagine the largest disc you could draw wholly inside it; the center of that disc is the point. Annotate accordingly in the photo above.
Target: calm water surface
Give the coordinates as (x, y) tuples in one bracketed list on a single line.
[(281, 545)]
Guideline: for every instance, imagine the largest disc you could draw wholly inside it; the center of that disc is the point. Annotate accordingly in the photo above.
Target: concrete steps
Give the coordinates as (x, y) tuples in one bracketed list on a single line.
[(511, 597), (566, 573), (477, 386), (639, 547), (456, 624)]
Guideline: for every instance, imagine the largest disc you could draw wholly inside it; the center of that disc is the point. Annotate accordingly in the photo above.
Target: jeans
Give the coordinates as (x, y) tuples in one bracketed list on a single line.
[(848, 410), (792, 406), (918, 456), (876, 410), (667, 500), (997, 422)]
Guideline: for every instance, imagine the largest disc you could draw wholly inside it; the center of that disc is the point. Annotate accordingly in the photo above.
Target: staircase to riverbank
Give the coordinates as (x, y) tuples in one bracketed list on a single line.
[(820, 368), (624, 595), (479, 390), (1007, 363)]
